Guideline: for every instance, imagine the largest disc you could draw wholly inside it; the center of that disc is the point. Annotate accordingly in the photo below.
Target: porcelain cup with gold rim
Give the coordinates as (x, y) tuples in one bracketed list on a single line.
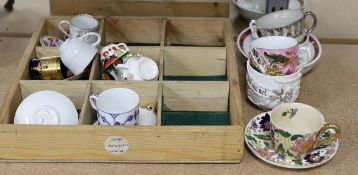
[(80, 25), (289, 23), (297, 129)]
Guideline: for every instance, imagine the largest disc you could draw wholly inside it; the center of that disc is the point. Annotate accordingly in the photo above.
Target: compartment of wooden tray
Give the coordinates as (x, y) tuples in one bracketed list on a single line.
[(196, 98)]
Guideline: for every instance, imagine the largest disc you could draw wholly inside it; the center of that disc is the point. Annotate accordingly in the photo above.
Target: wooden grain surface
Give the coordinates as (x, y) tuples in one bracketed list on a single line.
[(194, 61), (203, 8), (156, 143)]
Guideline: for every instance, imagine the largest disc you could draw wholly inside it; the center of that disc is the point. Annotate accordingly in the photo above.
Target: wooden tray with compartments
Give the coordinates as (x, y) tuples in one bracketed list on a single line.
[(197, 97)]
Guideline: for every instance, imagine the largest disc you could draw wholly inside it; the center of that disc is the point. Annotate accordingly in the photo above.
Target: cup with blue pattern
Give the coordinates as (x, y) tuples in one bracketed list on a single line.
[(116, 106)]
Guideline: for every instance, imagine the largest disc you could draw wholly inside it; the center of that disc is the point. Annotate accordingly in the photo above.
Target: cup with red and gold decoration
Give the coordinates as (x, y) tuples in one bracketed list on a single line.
[(110, 57)]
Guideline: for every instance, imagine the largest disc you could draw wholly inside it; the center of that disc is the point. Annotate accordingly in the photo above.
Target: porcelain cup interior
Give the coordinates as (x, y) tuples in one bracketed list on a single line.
[(118, 100), (283, 23), (80, 25), (274, 42), (275, 55), (303, 119), (279, 19), (84, 22)]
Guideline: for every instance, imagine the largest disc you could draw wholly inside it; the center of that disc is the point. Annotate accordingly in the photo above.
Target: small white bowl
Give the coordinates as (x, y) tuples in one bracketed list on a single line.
[(46, 108), (247, 10)]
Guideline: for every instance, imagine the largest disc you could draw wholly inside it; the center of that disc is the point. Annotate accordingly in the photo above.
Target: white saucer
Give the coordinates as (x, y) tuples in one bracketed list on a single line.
[(258, 140), (245, 38), (46, 108)]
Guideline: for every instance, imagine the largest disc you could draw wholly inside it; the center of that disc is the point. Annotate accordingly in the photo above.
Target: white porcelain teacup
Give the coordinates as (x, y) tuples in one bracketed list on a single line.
[(116, 106), (138, 67), (77, 54), (283, 23), (80, 25), (297, 129), (267, 91)]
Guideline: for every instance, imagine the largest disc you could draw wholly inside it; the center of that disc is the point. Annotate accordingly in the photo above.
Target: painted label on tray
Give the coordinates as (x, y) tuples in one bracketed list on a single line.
[(116, 145)]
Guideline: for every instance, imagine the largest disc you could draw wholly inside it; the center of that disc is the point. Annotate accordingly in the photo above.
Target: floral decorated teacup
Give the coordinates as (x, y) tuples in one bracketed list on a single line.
[(297, 129), (277, 55)]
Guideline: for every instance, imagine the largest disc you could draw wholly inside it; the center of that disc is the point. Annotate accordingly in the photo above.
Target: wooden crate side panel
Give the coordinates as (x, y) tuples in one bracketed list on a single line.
[(193, 8), (13, 100), (194, 61), (195, 32), (86, 143), (133, 30), (46, 51), (75, 91), (195, 96), (236, 111)]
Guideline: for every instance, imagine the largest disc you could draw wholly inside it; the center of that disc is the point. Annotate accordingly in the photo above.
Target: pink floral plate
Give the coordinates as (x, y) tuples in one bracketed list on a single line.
[(50, 41), (245, 38), (258, 140)]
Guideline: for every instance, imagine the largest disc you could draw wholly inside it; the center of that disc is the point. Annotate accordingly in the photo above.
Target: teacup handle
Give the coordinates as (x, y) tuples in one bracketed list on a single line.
[(326, 141), (150, 108), (309, 30), (61, 28), (93, 101), (92, 33), (253, 29), (305, 61), (124, 46)]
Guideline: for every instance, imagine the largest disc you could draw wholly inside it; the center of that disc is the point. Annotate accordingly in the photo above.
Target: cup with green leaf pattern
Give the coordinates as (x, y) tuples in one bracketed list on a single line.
[(297, 129)]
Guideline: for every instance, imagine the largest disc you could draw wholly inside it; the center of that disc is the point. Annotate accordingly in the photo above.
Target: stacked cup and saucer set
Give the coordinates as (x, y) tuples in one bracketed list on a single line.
[(278, 49)]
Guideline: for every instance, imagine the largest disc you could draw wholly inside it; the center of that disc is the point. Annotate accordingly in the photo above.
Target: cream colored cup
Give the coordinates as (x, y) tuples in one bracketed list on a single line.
[(297, 129)]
